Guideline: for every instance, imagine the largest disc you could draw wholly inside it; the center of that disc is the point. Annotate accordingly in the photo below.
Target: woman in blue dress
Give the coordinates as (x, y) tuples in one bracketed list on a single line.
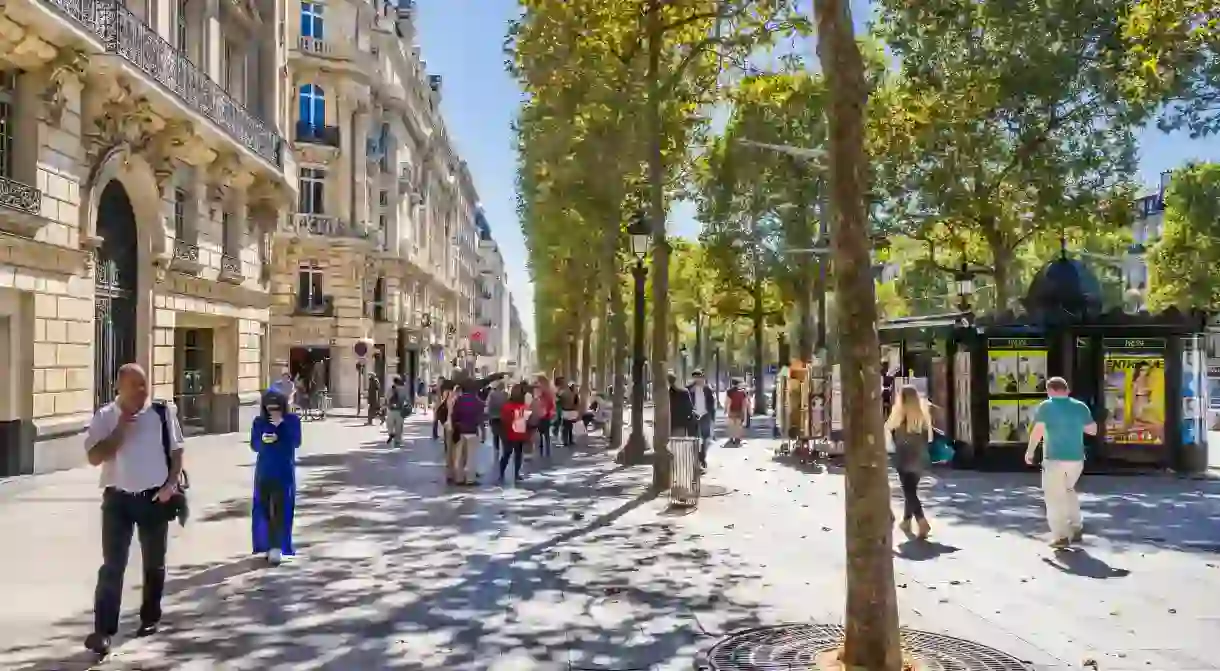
[(275, 437)]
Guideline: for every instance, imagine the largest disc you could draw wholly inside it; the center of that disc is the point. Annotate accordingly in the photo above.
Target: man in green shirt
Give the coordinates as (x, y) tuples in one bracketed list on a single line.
[(1060, 423)]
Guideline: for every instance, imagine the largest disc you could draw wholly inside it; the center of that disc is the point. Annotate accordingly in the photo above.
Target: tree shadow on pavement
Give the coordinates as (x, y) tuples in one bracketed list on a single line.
[(401, 572), (1127, 512)]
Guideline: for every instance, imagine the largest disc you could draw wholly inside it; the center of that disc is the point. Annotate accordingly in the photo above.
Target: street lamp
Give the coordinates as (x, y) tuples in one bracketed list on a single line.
[(964, 279), (682, 360), (641, 239)]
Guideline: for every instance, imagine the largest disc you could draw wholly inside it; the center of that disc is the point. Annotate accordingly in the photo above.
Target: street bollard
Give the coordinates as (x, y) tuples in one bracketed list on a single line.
[(684, 472)]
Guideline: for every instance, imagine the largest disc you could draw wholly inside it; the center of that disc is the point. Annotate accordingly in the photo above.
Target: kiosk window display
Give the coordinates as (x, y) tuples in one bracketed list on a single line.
[(1016, 384), (1135, 390)]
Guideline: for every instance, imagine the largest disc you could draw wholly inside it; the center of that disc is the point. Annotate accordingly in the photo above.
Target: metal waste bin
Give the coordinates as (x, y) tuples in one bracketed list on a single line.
[(684, 472)]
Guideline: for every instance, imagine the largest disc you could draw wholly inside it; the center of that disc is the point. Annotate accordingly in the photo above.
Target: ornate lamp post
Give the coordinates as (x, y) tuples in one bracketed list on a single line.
[(641, 239), (964, 280)]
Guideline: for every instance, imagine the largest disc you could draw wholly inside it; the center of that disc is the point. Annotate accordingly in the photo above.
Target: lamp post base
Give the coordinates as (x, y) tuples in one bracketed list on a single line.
[(635, 452)]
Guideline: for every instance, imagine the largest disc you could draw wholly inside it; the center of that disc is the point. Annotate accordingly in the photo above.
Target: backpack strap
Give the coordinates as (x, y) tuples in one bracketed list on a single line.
[(162, 411)]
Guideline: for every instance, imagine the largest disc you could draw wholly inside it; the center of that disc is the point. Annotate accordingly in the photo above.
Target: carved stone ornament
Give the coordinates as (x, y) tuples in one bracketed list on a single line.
[(226, 174), (69, 65)]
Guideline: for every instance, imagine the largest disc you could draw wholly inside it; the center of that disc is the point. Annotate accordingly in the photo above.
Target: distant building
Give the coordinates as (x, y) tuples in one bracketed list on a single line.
[(1145, 231)]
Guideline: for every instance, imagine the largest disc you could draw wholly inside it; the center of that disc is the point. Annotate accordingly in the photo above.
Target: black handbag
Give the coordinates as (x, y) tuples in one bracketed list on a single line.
[(177, 506)]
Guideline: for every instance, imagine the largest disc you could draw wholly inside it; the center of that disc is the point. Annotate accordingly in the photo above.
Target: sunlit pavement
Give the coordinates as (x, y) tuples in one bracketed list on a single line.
[(576, 569)]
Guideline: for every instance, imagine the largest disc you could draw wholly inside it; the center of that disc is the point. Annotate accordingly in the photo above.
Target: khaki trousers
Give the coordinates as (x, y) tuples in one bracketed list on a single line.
[(1062, 504)]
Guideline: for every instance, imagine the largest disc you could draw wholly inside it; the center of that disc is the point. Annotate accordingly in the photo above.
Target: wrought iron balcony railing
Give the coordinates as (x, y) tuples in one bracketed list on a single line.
[(21, 197), (322, 306), (230, 265), (125, 34), (328, 226), (313, 134)]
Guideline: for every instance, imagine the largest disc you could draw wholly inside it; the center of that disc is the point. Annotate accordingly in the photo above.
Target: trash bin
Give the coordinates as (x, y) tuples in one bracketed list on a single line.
[(684, 472)]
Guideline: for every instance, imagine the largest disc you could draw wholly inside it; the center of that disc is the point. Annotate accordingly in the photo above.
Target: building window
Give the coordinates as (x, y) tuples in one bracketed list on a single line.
[(181, 198), (379, 312), (312, 110), (312, 186), (8, 118), (383, 198), (309, 286), (311, 20)]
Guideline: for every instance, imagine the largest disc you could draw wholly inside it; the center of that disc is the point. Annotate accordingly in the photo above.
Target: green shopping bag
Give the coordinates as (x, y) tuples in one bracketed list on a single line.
[(940, 449)]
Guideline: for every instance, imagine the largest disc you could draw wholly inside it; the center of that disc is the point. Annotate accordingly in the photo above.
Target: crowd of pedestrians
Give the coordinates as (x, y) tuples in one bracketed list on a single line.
[(139, 446)]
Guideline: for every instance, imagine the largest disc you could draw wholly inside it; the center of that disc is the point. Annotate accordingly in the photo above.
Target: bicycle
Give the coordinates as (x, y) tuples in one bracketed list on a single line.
[(319, 405)]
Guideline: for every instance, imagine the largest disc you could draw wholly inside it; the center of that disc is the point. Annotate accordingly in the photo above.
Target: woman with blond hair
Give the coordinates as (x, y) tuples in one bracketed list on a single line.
[(910, 422)]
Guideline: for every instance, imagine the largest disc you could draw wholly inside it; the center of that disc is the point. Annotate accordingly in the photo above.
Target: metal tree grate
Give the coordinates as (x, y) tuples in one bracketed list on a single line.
[(789, 647)]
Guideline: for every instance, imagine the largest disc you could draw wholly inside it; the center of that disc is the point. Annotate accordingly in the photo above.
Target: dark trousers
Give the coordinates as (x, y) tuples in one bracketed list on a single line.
[(497, 434), (122, 513), (374, 408), (703, 425), (436, 427), (513, 448), (544, 437), (911, 507), (566, 432), (272, 492)]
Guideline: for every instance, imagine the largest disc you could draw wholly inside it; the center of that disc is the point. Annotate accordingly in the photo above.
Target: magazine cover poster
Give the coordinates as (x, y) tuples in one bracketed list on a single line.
[(1005, 422), (1135, 398), (1031, 366), (1002, 372)]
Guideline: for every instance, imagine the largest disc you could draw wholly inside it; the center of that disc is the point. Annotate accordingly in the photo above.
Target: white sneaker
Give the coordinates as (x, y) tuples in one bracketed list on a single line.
[(274, 556)]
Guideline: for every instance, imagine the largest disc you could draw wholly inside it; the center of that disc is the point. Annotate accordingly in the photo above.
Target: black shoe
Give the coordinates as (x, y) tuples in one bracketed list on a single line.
[(98, 643), (147, 629)]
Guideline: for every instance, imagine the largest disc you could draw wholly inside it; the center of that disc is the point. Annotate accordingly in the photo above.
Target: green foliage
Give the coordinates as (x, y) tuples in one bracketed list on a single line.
[(1173, 57), (1184, 265), (1032, 133)]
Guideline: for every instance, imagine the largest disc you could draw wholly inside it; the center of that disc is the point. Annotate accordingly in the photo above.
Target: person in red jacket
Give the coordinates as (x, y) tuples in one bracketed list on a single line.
[(515, 431)]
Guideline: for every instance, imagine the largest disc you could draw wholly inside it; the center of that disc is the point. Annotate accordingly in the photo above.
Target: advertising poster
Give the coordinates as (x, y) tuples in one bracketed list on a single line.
[(1135, 397), (836, 400), (1016, 366), (891, 359), (961, 397), (1193, 405)]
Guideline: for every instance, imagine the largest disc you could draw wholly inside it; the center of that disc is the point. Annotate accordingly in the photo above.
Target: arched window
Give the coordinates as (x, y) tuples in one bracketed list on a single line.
[(311, 19), (313, 106)]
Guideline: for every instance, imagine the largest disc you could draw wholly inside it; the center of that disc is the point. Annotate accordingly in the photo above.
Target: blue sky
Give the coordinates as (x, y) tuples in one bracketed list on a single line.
[(463, 40)]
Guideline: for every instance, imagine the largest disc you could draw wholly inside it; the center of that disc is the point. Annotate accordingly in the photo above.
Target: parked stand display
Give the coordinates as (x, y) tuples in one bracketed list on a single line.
[(805, 399)]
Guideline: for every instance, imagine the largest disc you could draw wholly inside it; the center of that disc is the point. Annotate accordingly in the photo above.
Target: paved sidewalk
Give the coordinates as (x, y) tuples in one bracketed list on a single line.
[(577, 569)]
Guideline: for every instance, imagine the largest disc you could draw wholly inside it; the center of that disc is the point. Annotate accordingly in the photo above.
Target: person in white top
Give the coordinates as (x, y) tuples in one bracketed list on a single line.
[(129, 438)]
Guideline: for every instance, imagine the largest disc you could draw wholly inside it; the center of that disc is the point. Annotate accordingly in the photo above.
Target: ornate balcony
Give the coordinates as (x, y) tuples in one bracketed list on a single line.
[(20, 207), (124, 34), (325, 307), (325, 225), (185, 257), (327, 135), (230, 269)]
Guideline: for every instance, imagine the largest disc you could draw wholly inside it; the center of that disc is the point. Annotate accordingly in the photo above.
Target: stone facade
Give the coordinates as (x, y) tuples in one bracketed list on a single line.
[(136, 203), (382, 251)]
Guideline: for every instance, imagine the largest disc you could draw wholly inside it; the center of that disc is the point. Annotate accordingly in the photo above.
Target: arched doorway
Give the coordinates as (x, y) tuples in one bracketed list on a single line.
[(115, 279)]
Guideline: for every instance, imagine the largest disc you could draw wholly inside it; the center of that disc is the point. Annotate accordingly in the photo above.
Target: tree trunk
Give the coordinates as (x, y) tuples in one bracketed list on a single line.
[(660, 254), (602, 379), (618, 323), (699, 360), (586, 355), (872, 642), (760, 402)]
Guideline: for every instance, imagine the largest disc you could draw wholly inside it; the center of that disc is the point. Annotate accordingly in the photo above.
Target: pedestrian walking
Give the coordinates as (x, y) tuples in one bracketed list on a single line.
[(465, 418), (515, 431), (1060, 424), (569, 413), (496, 398), (542, 413), (910, 423), (275, 436), (374, 398), (681, 409), (285, 386), (398, 403), (736, 402), (139, 446), (703, 411), (556, 420), (440, 409)]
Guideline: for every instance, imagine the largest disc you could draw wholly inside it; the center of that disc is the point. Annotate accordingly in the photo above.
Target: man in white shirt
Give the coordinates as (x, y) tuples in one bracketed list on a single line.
[(127, 438), (704, 403)]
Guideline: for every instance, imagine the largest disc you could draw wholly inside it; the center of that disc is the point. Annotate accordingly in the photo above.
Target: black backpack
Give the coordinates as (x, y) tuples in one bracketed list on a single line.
[(178, 506), (396, 400)]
